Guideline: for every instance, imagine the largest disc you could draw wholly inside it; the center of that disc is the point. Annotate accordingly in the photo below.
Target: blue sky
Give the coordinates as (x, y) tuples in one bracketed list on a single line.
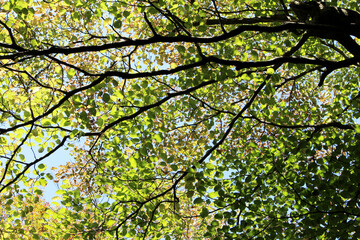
[(60, 157)]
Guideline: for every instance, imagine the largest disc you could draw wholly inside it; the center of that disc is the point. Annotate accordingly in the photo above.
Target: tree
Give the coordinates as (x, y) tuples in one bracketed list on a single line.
[(187, 120)]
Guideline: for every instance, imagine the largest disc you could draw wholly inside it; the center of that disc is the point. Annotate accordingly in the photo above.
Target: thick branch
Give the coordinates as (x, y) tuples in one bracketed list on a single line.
[(181, 38)]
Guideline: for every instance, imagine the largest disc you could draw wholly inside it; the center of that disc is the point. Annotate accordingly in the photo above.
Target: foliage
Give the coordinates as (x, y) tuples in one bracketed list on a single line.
[(187, 120)]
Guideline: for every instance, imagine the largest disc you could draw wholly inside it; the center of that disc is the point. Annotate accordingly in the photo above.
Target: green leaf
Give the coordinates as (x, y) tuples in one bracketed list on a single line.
[(41, 149), (198, 200), (42, 167), (174, 167), (213, 194), (158, 138), (126, 14), (270, 71), (106, 97), (70, 73), (181, 49), (204, 212), (133, 162), (117, 24)]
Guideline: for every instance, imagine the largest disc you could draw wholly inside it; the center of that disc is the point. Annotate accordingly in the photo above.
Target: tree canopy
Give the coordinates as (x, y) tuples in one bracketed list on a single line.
[(187, 119)]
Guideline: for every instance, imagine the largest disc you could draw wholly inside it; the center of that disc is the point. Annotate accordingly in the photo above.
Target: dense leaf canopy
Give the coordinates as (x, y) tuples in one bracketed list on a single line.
[(186, 119)]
